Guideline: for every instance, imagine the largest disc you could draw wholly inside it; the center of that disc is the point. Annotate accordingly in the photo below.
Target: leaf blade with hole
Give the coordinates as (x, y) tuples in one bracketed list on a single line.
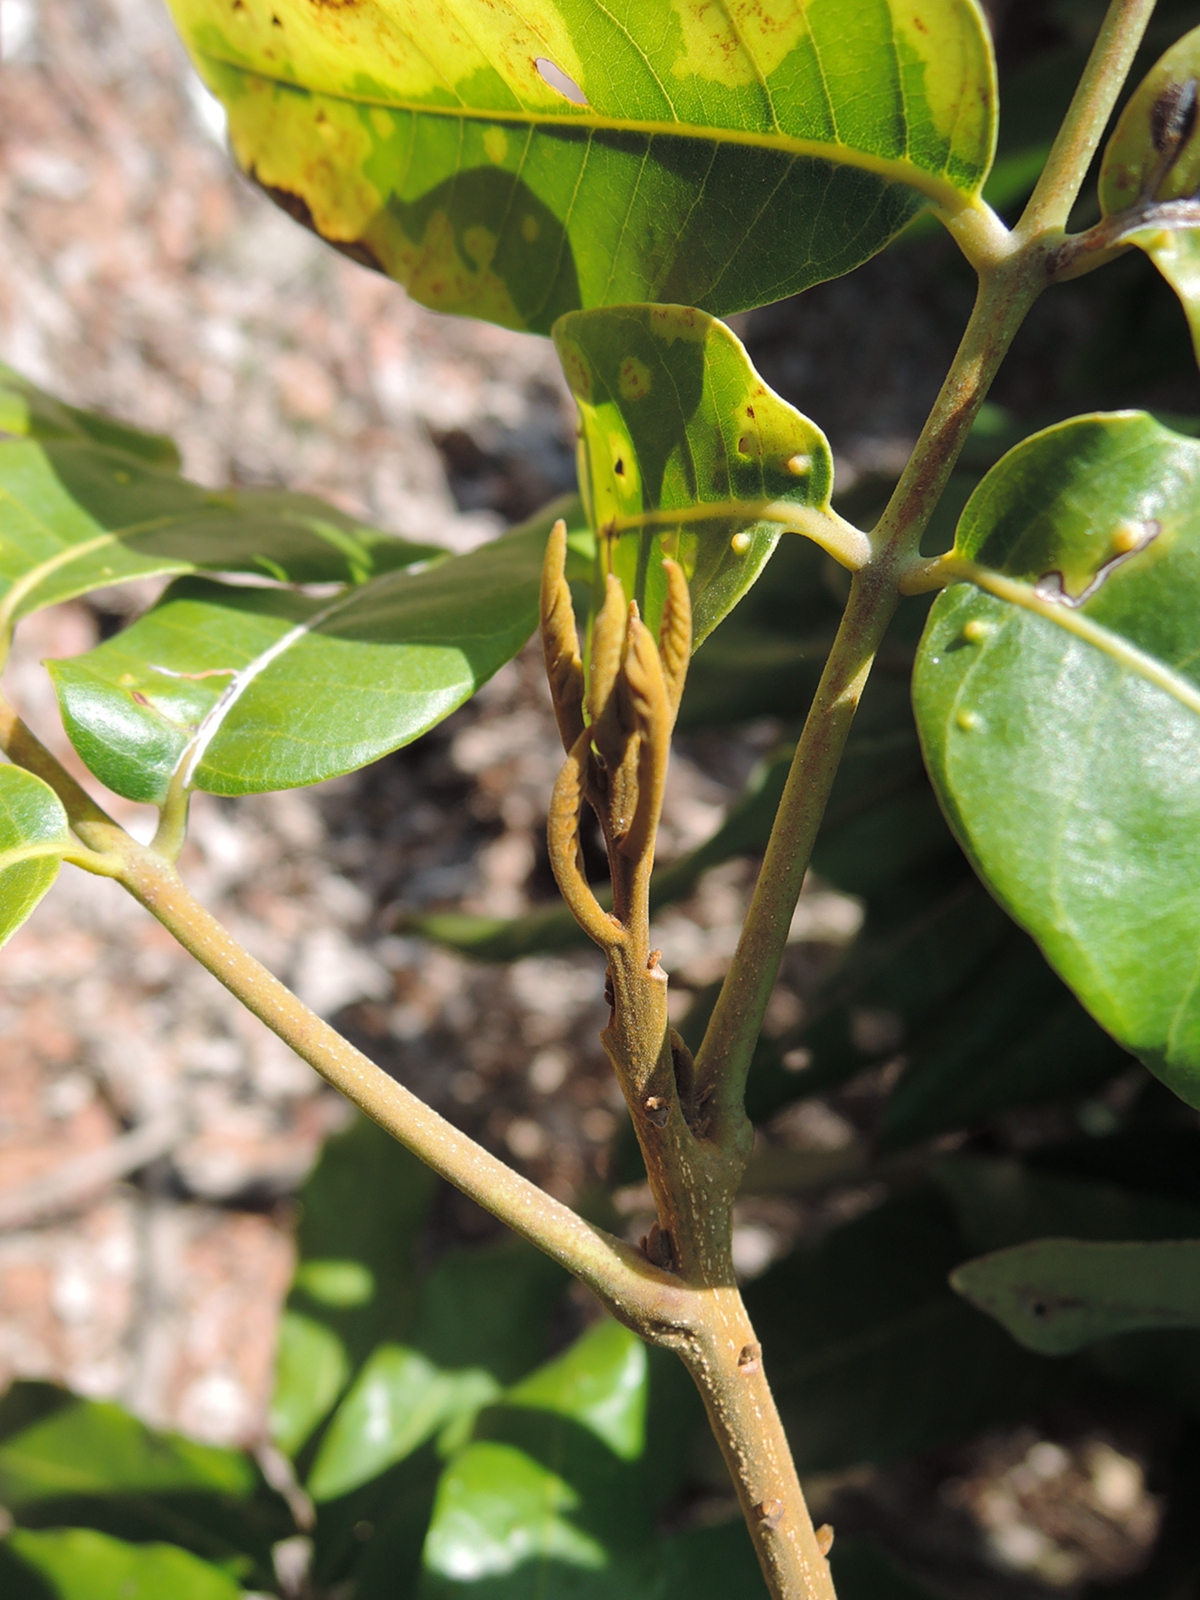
[(518, 164), (685, 452), (1059, 709)]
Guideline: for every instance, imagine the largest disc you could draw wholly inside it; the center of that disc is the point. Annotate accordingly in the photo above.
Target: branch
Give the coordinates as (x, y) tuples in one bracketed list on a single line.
[(1083, 127)]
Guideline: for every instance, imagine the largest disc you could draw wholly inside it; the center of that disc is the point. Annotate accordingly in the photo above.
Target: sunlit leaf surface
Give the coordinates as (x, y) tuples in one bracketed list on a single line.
[(86, 502), (516, 162), (33, 835), (238, 690), (1057, 693), (685, 452)]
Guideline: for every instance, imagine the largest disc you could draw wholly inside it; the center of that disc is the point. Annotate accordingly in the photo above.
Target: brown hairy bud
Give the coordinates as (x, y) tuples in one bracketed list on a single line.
[(675, 633), (560, 641)]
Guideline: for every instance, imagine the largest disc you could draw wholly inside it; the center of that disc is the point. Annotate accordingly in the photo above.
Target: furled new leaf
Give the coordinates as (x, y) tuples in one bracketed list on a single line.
[(685, 452), (1057, 1295), (515, 162), (79, 1564), (238, 690), (1150, 177), (1057, 694), (86, 502), (33, 835)]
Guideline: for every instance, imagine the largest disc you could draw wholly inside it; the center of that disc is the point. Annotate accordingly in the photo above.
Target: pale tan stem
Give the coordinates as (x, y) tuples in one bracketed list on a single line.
[(1066, 167), (726, 1364)]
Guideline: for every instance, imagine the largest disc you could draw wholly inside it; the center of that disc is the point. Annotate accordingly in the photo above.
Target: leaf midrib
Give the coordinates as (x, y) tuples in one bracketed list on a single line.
[(943, 194), (1135, 660)]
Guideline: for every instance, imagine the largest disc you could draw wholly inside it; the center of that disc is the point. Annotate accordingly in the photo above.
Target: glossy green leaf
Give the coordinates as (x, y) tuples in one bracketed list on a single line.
[(600, 1382), (311, 1368), (33, 835), (239, 690), (1150, 176), (1058, 698), (397, 1401), (92, 1447), (517, 163), (685, 452), (550, 1496), (498, 1511), (79, 1564), (1057, 1295), (85, 502)]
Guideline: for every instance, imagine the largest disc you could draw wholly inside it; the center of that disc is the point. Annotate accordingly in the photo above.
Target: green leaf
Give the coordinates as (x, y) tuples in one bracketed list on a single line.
[(685, 452), (398, 1400), (498, 1511), (1150, 175), (1058, 1295), (1057, 695), (1013, 1036), (33, 835), (241, 690), (311, 1368), (79, 1564), (31, 413), (85, 502), (998, 1203), (600, 1382), (362, 1208), (94, 1448), (551, 1494), (516, 164), (871, 1355), (488, 1307)]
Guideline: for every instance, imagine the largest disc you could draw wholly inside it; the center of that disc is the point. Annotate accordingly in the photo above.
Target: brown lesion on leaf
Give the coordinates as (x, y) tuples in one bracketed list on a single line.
[(298, 209), (1130, 539)]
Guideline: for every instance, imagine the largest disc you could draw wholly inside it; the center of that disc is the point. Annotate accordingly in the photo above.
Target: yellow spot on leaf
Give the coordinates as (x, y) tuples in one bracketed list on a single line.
[(495, 144), (530, 228), (383, 122), (735, 42), (634, 379)]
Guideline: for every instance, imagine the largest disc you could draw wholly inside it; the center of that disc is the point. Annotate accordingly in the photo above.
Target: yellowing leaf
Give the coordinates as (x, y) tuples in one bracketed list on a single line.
[(516, 163)]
